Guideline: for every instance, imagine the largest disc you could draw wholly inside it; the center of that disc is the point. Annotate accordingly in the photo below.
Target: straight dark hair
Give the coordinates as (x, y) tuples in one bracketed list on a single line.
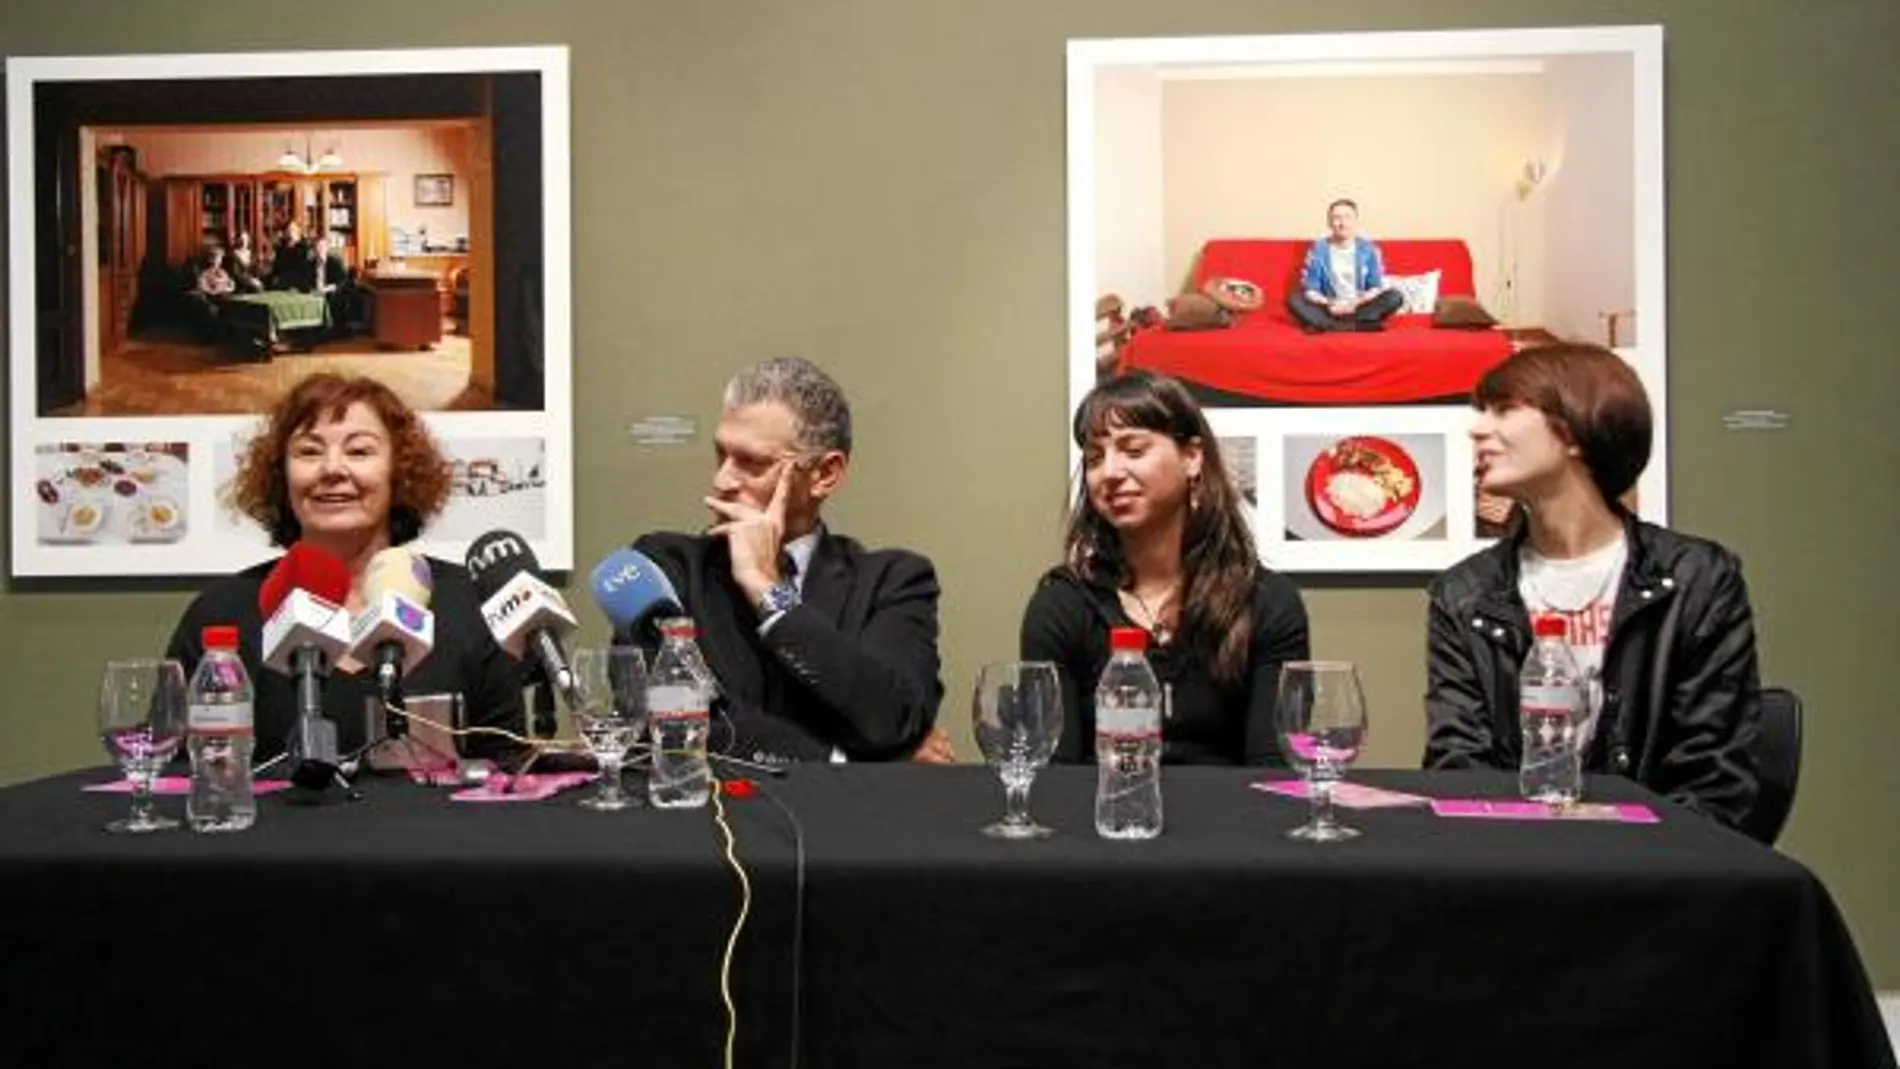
[(1218, 560)]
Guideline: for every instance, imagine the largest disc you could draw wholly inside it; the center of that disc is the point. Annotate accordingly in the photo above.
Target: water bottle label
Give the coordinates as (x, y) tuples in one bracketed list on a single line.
[(676, 703), (1128, 721), (223, 718), (1564, 698)]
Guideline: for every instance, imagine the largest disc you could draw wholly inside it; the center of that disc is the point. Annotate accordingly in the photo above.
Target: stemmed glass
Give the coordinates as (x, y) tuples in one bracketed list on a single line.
[(1321, 714), (142, 722), (612, 685), (1018, 714)]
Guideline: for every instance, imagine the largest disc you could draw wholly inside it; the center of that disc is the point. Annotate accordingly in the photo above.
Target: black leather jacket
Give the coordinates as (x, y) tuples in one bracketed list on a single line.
[(1681, 690)]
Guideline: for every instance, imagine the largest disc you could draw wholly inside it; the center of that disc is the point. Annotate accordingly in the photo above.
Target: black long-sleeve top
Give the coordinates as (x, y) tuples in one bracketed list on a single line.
[(1212, 721)]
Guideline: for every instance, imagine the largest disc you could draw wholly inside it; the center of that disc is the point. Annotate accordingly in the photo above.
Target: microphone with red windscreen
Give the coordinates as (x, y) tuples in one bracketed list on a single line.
[(305, 630)]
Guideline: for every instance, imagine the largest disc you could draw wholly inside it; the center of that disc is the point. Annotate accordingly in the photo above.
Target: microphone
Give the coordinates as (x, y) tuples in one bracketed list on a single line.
[(527, 616), (395, 630), (632, 591), (304, 631), (634, 594)]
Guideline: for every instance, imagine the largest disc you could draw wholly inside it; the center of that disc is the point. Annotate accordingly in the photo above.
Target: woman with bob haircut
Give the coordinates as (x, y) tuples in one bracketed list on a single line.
[(1156, 540), (344, 465), (1660, 620)]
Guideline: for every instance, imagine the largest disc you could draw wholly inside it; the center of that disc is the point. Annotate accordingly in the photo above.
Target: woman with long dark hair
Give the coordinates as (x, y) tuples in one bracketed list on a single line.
[(1156, 539)]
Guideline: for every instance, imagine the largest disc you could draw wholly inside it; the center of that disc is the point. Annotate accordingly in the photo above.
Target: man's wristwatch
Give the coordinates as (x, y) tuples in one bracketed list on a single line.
[(779, 597)]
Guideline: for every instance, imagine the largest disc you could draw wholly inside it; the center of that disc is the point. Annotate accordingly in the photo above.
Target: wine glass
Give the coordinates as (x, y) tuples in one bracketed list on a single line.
[(142, 722), (611, 685), (1321, 716), (1018, 714)]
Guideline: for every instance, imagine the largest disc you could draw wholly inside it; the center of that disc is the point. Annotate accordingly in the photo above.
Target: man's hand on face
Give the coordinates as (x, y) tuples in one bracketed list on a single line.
[(755, 536)]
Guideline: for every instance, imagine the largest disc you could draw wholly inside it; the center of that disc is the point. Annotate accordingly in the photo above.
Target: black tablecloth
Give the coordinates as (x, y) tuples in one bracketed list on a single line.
[(408, 930)]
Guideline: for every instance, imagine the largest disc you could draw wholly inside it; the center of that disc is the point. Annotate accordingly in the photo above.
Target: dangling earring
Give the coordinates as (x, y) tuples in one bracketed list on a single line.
[(1194, 492)]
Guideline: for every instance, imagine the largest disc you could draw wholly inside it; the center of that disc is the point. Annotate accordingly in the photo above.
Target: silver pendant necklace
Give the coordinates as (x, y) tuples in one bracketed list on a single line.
[(1155, 625)]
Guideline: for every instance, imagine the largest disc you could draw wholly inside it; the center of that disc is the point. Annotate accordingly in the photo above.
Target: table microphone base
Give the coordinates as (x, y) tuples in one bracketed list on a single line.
[(315, 783)]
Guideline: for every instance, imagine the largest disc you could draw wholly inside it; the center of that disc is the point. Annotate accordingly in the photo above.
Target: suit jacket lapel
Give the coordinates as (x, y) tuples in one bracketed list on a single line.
[(828, 586), (726, 632)]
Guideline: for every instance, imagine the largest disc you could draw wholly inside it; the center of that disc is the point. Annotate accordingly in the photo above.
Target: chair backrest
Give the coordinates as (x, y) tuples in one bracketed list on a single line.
[(1777, 761)]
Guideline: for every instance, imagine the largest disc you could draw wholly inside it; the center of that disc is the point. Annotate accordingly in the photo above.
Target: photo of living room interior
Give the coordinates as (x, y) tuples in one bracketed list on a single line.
[(1508, 181), (234, 256)]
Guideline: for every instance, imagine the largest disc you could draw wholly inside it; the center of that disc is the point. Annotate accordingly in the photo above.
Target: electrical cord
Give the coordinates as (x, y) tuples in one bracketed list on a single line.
[(729, 850), (798, 919), (738, 924), (537, 748)]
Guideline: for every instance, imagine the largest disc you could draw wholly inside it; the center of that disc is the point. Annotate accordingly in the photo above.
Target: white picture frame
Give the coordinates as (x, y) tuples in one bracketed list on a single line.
[(69, 114), (1552, 153)]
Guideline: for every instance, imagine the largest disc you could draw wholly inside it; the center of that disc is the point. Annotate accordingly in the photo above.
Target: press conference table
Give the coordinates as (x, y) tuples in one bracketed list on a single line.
[(407, 930)]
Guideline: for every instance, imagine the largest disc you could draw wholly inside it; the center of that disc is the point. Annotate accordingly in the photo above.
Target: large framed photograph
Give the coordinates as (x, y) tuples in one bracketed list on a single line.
[(135, 385), (1511, 182)]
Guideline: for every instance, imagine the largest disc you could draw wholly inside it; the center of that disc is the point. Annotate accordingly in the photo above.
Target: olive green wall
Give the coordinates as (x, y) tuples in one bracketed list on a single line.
[(880, 185)]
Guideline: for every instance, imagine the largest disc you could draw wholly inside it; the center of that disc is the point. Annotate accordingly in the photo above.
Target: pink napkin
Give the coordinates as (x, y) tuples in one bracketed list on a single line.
[(1625, 813), (179, 785), (532, 787), (1345, 795)]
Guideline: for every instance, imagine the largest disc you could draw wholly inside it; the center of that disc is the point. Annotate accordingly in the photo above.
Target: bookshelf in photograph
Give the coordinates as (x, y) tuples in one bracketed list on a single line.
[(206, 210)]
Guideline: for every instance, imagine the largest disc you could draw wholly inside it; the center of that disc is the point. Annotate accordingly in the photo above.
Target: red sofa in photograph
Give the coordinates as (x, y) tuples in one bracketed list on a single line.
[(1264, 357)]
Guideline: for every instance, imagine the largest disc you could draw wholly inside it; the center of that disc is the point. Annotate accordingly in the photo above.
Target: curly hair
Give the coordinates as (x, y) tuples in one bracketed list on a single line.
[(419, 474), (1219, 559)]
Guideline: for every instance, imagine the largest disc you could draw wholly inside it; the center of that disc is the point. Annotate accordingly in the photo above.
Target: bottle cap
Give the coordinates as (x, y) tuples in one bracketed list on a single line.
[(219, 637), (1550, 625), (679, 627), (1128, 638)]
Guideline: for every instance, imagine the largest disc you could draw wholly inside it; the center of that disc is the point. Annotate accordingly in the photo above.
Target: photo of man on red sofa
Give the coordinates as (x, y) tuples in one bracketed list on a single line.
[(1342, 283), (1431, 351)]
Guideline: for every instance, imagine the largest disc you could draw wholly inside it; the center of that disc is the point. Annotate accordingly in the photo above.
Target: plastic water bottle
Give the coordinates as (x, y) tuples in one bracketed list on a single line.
[(1128, 741), (1551, 713), (219, 737), (678, 703)]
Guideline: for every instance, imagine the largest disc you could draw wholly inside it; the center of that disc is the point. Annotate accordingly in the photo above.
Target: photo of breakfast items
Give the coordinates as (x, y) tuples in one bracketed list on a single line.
[(1364, 486), (110, 493), (83, 519), (158, 520)]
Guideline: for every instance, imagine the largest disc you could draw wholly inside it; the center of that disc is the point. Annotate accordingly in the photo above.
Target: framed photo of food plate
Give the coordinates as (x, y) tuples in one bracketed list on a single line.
[(164, 211), (1506, 184)]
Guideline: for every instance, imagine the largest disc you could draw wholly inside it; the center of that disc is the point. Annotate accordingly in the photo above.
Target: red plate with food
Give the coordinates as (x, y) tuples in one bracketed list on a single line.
[(1363, 486)]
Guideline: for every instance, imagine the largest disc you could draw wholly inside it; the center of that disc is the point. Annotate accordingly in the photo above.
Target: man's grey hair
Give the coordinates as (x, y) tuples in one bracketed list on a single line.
[(814, 398)]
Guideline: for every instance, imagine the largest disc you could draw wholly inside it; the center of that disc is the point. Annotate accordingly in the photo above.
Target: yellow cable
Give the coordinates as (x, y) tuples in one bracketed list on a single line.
[(539, 746), (483, 729), (738, 925)]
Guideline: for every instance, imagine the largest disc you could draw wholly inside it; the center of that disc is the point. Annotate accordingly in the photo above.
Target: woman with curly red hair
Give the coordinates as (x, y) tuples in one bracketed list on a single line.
[(344, 465)]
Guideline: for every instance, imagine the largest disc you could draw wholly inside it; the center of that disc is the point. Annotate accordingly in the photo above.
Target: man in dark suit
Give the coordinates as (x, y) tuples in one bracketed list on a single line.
[(823, 649), (330, 276), (292, 265)]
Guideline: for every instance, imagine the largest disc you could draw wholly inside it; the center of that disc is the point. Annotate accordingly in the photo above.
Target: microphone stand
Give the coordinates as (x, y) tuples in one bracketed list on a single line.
[(545, 723), (313, 741), (389, 685)]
